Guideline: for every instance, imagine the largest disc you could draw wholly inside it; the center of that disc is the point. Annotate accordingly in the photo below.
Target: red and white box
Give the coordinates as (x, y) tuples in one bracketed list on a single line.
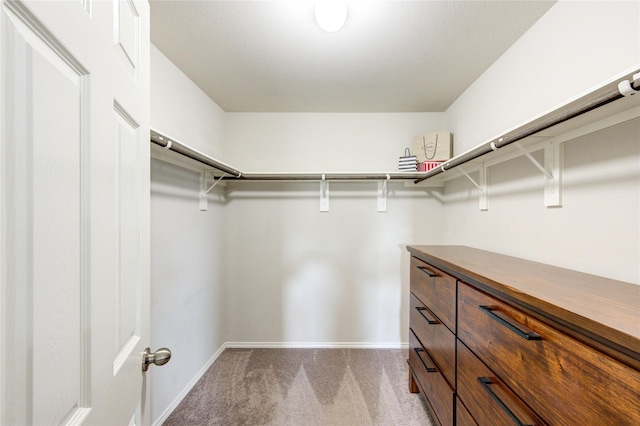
[(425, 166)]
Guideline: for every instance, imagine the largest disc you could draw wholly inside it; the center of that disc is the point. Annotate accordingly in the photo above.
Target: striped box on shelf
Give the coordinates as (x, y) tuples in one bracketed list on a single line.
[(425, 166)]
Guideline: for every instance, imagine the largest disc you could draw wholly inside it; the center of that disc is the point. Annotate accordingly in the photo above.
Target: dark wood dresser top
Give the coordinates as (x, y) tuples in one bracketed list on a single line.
[(594, 309)]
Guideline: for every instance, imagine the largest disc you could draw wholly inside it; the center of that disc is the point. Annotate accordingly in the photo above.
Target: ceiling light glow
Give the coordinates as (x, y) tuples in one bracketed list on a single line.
[(331, 14)]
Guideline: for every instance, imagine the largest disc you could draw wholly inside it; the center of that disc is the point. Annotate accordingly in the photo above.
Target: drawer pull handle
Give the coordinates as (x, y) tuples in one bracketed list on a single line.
[(485, 382), (525, 334), (423, 312), (427, 271), (420, 352)]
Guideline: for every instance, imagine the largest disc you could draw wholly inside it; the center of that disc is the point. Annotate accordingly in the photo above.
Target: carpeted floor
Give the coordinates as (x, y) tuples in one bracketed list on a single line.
[(304, 387)]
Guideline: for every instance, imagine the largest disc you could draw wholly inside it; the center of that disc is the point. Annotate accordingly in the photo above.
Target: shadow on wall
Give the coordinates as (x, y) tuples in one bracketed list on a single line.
[(169, 180), (607, 157), (596, 230), (312, 277)]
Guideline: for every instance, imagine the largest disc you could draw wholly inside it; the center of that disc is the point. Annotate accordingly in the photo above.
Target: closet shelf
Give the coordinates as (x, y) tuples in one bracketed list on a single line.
[(232, 174)]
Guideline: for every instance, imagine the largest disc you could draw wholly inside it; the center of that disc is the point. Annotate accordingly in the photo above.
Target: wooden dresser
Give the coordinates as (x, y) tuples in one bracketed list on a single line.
[(498, 340)]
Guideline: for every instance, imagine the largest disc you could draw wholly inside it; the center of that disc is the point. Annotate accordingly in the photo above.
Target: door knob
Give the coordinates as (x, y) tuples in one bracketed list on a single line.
[(159, 357)]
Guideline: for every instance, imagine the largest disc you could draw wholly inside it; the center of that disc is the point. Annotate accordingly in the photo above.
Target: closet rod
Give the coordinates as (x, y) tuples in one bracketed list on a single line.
[(572, 112), (172, 145), (332, 176)]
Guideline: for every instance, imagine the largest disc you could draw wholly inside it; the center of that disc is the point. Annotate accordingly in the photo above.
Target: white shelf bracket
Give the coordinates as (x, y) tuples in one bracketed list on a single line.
[(484, 196), (216, 182), (205, 190), (382, 195), (204, 204), (553, 162), (534, 161), (482, 186), (324, 195), (471, 179)]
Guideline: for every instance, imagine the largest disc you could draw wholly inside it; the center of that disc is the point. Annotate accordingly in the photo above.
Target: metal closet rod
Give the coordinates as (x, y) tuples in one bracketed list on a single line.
[(233, 174), (172, 145), (602, 100), (332, 176)]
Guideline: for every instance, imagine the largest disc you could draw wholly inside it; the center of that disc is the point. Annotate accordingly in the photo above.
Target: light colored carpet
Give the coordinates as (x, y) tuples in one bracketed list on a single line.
[(304, 387)]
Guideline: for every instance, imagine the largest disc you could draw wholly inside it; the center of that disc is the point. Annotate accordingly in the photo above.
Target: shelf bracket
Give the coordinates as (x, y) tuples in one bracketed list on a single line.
[(482, 186), (471, 179), (534, 161), (383, 187), (204, 204), (324, 194), (484, 196), (552, 170), (204, 190), (553, 162)]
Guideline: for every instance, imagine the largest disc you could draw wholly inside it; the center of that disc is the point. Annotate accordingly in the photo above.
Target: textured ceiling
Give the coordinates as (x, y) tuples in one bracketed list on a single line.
[(391, 56)]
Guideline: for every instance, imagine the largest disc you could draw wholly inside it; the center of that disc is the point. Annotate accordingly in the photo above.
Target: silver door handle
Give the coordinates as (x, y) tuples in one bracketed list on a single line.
[(159, 357)]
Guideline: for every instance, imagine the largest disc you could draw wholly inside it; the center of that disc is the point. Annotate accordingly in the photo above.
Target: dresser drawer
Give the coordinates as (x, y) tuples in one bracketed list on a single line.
[(563, 380), (436, 289), (488, 399), (435, 337), (431, 383), (463, 417)]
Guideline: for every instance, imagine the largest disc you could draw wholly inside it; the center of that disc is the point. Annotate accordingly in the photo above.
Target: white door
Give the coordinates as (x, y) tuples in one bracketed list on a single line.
[(74, 213)]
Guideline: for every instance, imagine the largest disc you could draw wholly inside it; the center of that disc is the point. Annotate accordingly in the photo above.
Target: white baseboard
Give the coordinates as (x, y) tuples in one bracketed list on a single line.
[(260, 345), (167, 412)]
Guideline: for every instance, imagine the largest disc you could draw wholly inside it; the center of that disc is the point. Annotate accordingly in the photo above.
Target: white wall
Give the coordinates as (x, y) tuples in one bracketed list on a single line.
[(571, 49), (324, 142), (301, 276), (181, 110), (339, 277), (187, 301), (574, 47)]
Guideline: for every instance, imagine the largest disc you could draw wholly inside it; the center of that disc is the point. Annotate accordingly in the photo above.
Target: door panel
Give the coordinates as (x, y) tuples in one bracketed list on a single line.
[(127, 32), (56, 237), (128, 200), (43, 231), (74, 211)]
